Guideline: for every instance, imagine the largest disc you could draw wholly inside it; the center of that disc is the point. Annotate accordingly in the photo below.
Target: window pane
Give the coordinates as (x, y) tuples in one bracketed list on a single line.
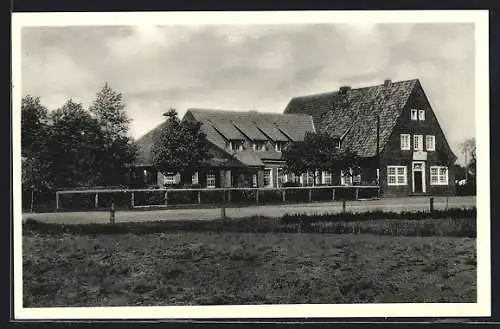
[(391, 170), (421, 115)]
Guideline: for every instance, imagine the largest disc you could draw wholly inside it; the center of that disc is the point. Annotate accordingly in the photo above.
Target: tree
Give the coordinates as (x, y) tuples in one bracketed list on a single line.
[(34, 132), (180, 146), (34, 124), (318, 152), (118, 148), (73, 150), (468, 148)]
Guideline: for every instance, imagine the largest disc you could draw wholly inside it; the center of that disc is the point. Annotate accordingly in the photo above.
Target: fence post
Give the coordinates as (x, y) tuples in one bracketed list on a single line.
[(284, 195), (132, 200), (228, 196), (96, 200), (343, 205), (57, 200), (166, 198), (310, 195), (257, 196), (223, 208), (199, 197), (333, 194), (431, 205), (357, 193), (112, 213)]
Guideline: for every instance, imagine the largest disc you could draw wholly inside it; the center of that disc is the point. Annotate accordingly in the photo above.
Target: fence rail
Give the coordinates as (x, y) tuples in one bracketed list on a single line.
[(137, 198)]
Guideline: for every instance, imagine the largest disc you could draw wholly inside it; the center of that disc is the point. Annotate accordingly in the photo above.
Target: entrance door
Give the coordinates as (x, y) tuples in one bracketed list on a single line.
[(418, 182), (418, 177)]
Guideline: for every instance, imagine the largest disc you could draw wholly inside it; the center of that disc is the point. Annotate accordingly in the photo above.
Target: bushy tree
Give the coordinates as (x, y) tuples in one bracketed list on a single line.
[(318, 152), (34, 125), (118, 148), (73, 150), (180, 146)]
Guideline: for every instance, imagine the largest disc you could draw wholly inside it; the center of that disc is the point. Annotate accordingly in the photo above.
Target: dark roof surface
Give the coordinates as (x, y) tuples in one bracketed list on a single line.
[(221, 126), (352, 114)]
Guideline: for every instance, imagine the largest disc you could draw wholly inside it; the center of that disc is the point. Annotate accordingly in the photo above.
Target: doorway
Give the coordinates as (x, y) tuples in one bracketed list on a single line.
[(418, 177)]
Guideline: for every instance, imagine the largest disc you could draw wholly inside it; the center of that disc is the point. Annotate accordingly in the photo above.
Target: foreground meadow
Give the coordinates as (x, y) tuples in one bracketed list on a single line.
[(202, 268)]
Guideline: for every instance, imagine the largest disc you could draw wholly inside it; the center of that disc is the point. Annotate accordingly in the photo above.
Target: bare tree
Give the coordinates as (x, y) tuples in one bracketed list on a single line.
[(468, 148)]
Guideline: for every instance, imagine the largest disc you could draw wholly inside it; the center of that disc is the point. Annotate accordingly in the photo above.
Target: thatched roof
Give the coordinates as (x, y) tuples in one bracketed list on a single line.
[(351, 113)]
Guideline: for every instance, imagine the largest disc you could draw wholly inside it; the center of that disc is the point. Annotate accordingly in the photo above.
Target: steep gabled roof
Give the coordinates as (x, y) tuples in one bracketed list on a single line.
[(222, 126), (352, 113), (255, 125)]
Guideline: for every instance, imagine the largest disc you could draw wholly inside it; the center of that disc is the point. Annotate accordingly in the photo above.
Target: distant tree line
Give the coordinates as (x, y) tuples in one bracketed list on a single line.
[(75, 147)]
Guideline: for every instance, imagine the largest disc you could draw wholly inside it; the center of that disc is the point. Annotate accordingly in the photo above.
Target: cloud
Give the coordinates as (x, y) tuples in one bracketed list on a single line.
[(242, 67)]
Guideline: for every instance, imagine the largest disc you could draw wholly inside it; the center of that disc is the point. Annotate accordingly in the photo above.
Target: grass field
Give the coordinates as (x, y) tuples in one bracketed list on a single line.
[(201, 268)]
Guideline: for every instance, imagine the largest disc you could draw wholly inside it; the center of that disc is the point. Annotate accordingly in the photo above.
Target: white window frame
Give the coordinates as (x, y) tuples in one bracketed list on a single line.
[(278, 147), (418, 142), (259, 146), (421, 115), (170, 179), (195, 178), (254, 180), (414, 114), (346, 179), (211, 179), (236, 145), (441, 178), (397, 175), (405, 138), (282, 176), (326, 178), (270, 183), (430, 142)]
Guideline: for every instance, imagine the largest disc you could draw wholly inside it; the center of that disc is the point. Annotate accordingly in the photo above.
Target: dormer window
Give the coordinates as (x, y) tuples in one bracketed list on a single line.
[(337, 143), (259, 146), (279, 146), (236, 145)]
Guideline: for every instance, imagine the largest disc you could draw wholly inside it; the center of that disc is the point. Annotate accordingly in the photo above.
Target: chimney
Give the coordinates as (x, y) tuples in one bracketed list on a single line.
[(344, 89), (387, 83)]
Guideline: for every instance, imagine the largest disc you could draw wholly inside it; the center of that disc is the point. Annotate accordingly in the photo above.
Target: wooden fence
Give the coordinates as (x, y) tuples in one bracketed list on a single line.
[(137, 198)]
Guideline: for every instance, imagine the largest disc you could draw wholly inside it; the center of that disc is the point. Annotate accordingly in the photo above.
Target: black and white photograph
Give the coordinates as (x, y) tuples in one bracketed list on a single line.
[(251, 164)]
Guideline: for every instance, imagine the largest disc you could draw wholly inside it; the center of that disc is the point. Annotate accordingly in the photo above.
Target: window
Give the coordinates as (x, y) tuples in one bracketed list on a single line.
[(259, 146), (281, 177), (439, 175), (338, 143), (414, 114), (194, 178), (254, 180), (170, 178), (236, 145), (418, 143), (279, 146), (211, 179), (421, 115), (326, 177), (405, 141), (396, 175), (345, 177), (430, 143), (268, 177)]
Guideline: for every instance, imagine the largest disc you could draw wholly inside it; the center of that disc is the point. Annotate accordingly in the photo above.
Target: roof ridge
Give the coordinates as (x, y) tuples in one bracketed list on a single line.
[(332, 93)]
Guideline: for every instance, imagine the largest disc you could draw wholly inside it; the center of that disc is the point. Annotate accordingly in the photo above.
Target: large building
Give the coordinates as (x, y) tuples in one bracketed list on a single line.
[(245, 146), (391, 127)]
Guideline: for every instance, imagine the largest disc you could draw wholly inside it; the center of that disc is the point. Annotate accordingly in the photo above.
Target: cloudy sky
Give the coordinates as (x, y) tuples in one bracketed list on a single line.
[(257, 67)]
